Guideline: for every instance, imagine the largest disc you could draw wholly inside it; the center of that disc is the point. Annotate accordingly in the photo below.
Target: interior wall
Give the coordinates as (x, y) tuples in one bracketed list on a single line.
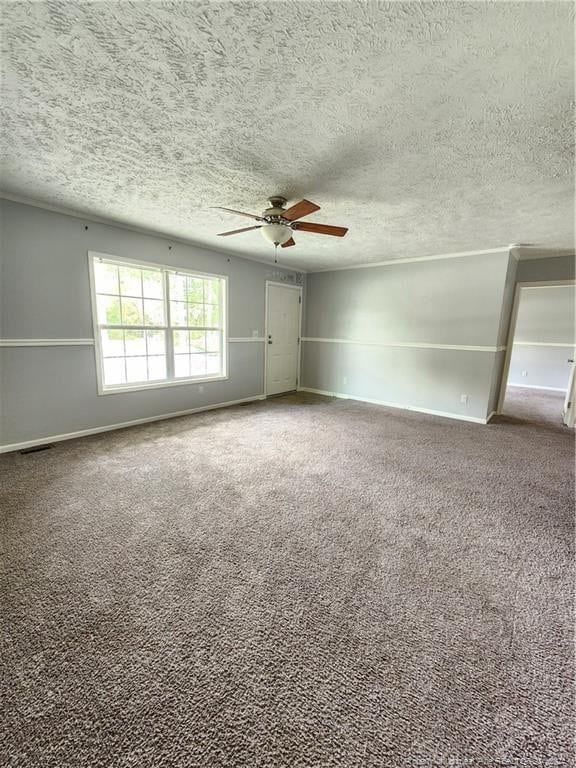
[(547, 269), (502, 338), (47, 391), (543, 338), (423, 335)]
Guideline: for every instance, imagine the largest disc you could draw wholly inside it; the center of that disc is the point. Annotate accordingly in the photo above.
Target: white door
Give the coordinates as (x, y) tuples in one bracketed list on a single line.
[(282, 342), (569, 415)]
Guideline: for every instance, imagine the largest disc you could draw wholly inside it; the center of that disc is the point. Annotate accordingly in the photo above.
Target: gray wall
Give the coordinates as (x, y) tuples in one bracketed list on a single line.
[(44, 294), (456, 302), (503, 329), (546, 367), (546, 314), (552, 268), (543, 338)]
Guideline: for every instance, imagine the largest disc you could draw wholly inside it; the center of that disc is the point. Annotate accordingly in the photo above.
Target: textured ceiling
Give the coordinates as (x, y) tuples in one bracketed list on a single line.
[(424, 127)]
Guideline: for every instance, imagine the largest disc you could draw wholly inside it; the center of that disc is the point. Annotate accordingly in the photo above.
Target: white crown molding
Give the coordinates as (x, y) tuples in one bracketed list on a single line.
[(123, 425), (546, 284), (518, 253), (545, 344), (396, 262), (530, 253), (111, 222), (409, 344), (512, 250), (386, 404), (163, 236)]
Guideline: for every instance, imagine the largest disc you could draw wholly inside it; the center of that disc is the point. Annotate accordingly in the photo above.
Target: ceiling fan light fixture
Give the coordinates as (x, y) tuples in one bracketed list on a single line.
[(278, 222), (276, 233)]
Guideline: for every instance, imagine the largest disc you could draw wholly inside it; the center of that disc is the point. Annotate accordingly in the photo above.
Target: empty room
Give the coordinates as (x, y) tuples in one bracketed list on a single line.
[(287, 391)]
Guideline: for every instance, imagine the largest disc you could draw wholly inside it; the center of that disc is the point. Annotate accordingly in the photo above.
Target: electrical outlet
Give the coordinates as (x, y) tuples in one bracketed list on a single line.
[(201, 388), (524, 373), (463, 398), (345, 380), (254, 334)]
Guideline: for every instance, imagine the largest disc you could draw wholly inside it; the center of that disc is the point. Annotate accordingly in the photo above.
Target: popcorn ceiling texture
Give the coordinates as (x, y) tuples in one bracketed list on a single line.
[(425, 127), (247, 589)]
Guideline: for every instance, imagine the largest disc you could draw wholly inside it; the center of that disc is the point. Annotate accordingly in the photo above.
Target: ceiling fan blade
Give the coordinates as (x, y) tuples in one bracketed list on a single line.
[(321, 229), (240, 213), (288, 243), (303, 208), (236, 231)]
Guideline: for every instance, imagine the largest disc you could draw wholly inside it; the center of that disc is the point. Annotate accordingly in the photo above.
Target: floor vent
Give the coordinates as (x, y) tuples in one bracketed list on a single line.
[(35, 449)]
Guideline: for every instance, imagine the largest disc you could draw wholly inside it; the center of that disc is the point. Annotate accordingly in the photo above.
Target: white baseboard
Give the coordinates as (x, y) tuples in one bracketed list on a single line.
[(444, 414), (122, 425), (535, 386)]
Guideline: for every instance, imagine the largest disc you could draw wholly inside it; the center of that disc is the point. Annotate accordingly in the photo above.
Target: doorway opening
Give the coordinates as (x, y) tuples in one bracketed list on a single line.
[(538, 378)]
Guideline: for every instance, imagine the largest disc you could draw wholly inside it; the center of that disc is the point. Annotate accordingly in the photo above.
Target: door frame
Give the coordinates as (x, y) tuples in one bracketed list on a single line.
[(293, 287), (569, 412), (512, 330)]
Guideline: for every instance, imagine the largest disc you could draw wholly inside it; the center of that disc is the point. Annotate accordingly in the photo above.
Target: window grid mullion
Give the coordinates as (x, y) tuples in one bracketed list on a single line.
[(125, 355), (169, 340), (144, 319), (146, 347)]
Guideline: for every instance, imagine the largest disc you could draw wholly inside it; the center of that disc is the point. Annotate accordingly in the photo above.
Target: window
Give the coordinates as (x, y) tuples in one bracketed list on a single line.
[(156, 326)]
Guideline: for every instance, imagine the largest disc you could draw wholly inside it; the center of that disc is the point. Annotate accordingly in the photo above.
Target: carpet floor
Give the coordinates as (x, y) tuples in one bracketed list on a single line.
[(297, 583)]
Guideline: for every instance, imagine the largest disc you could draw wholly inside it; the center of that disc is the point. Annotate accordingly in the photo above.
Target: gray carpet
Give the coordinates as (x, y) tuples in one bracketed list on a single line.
[(296, 583)]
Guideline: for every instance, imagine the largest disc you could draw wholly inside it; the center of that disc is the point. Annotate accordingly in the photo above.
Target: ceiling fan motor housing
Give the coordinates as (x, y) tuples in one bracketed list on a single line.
[(276, 211), (278, 201)]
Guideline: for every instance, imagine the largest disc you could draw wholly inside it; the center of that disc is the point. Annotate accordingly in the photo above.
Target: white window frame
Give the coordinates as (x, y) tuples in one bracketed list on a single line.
[(115, 389)]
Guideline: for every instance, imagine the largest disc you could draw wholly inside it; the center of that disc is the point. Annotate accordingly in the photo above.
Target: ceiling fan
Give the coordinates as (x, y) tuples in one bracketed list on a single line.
[(278, 222)]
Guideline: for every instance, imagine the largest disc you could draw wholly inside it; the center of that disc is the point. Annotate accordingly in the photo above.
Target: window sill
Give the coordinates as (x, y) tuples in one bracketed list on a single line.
[(158, 385)]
